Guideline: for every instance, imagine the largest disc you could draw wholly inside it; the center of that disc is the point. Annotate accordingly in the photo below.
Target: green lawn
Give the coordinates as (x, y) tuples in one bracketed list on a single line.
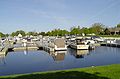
[(100, 72)]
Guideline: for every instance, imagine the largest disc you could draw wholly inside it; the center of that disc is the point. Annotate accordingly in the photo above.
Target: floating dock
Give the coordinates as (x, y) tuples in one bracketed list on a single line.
[(57, 44), (4, 50), (111, 45), (25, 48)]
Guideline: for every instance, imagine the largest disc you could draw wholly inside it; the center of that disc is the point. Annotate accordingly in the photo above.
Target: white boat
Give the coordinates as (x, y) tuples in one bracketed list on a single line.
[(79, 44), (58, 44)]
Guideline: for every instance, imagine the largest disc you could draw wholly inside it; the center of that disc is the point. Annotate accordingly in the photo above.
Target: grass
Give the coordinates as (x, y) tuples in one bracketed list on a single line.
[(100, 72)]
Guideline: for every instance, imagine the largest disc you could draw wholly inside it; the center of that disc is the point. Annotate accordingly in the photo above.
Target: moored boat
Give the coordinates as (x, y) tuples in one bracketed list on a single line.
[(79, 44)]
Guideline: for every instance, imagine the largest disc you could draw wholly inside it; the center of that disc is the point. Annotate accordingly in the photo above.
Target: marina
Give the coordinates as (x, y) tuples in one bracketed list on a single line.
[(52, 44), (56, 44), (53, 53), (111, 43), (80, 44), (59, 39), (39, 61), (49, 44)]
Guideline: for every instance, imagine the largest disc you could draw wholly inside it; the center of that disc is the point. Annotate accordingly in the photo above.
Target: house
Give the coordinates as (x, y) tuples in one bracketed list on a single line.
[(20, 35), (114, 31)]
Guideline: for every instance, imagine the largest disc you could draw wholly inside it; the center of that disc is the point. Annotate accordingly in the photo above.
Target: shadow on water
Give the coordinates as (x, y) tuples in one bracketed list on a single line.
[(61, 75)]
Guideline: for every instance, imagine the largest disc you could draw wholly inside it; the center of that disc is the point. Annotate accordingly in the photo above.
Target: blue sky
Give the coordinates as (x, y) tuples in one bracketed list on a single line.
[(45, 15)]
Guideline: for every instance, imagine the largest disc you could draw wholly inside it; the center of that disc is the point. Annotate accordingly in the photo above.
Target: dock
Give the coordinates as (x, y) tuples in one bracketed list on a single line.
[(57, 44), (111, 45), (14, 47), (4, 50), (52, 44)]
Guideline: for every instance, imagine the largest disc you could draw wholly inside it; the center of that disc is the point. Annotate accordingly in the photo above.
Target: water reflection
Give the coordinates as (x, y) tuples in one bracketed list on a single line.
[(25, 52), (58, 55), (2, 58), (78, 53), (37, 61)]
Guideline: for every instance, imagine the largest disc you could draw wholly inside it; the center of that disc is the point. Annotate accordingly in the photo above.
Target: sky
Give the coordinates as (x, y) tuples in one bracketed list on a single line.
[(45, 15)]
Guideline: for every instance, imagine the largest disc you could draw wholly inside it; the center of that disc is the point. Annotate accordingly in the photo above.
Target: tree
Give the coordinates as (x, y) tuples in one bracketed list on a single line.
[(106, 31), (48, 33), (18, 32), (42, 33), (2, 35), (62, 32), (6, 35), (75, 31), (97, 28), (32, 33), (57, 32), (13, 34), (118, 25), (85, 30)]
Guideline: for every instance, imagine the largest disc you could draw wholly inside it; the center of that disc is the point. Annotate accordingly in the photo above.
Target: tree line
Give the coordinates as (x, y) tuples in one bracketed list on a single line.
[(96, 28)]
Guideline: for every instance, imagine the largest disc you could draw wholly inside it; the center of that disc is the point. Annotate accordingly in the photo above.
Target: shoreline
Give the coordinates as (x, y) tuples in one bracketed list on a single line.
[(101, 72)]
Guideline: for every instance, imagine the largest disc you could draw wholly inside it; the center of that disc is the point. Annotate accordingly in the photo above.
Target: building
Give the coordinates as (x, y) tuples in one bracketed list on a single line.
[(114, 31)]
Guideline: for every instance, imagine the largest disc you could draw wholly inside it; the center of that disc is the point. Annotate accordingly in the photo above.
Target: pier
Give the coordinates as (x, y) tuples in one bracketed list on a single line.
[(20, 47), (52, 44), (4, 50), (111, 45), (57, 44), (49, 44)]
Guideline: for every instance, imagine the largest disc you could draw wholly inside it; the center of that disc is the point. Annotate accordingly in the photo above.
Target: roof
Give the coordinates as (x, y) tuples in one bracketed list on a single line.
[(114, 29), (60, 42), (19, 35)]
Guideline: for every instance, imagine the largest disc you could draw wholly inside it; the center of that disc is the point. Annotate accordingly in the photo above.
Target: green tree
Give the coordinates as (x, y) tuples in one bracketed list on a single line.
[(85, 30), (48, 33), (97, 28), (118, 25), (2, 35), (42, 33), (57, 32), (6, 35), (18, 32), (32, 33), (106, 31), (13, 34), (62, 32), (75, 31)]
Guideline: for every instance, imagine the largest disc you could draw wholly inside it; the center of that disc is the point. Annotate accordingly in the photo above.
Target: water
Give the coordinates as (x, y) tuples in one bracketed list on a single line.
[(37, 61)]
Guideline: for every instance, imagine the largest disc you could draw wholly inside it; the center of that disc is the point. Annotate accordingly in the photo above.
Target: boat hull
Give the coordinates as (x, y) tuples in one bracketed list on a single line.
[(80, 47)]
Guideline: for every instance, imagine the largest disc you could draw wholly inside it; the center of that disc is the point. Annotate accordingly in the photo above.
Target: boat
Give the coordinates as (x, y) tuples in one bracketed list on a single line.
[(58, 44), (79, 44)]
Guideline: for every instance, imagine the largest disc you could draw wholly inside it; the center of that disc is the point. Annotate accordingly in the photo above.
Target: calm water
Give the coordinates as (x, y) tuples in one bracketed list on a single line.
[(34, 61)]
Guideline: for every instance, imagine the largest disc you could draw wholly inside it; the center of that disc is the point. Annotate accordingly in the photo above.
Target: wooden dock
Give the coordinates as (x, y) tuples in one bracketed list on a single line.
[(11, 47), (25, 48), (4, 50), (111, 45)]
